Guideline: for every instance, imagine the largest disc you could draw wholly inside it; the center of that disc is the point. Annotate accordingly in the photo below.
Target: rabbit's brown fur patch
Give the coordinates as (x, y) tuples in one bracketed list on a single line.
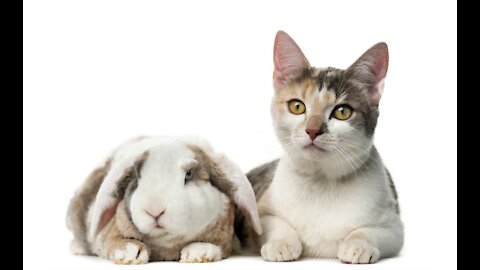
[(80, 203)]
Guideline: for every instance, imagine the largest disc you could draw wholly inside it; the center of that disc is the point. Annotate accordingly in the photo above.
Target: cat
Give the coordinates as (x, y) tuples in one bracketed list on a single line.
[(330, 195)]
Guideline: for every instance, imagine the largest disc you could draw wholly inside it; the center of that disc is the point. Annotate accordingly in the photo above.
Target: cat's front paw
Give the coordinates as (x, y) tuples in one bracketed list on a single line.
[(200, 253), (281, 250), (358, 252), (129, 253)]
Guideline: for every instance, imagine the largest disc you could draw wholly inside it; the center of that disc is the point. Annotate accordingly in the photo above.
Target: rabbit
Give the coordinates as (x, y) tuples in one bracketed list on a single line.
[(161, 199)]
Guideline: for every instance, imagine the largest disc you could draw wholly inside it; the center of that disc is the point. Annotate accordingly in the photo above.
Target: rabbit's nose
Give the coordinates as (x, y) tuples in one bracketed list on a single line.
[(156, 215)]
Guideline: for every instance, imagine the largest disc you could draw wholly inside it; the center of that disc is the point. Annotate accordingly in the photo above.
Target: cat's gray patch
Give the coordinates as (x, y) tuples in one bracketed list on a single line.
[(323, 76), (370, 165), (355, 94), (261, 177), (323, 128), (394, 191)]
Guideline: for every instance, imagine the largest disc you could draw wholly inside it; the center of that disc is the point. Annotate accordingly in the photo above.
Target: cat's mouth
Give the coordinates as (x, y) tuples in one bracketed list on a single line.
[(314, 147)]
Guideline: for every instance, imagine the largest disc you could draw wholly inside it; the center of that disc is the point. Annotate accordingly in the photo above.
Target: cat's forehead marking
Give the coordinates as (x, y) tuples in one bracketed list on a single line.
[(307, 88), (326, 96), (324, 77)]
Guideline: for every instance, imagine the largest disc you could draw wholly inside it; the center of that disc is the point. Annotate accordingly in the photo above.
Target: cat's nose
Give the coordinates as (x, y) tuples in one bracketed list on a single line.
[(313, 133)]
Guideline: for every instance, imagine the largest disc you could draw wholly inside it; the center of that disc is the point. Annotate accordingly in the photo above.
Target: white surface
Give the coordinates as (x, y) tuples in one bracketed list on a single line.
[(99, 72)]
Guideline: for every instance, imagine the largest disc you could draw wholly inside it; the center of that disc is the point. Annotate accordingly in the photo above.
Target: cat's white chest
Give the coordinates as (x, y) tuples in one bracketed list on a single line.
[(322, 213)]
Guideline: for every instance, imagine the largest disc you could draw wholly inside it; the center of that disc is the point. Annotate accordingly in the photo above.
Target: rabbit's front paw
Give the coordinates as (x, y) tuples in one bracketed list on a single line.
[(200, 252), (77, 248), (129, 253)]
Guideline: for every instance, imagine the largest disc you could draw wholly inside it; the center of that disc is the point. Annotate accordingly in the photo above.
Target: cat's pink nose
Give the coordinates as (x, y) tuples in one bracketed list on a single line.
[(313, 133)]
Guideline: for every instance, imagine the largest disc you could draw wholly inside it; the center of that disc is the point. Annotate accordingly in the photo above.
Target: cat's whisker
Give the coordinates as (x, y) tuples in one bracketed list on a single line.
[(358, 147), (339, 164), (352, 156), (364, 159), (348, 160), (356, 160)]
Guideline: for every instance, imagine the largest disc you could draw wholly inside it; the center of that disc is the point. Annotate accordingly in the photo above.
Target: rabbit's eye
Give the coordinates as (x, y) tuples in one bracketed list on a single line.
[(188, 175)]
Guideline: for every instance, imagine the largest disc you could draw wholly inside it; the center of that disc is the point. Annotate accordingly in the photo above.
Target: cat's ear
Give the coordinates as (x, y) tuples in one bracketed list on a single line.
[(288, 59), (371, 69)]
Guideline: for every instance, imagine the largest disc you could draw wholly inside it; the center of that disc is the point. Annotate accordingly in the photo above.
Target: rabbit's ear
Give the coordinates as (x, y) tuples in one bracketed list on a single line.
[(229, 178), (112, 190)]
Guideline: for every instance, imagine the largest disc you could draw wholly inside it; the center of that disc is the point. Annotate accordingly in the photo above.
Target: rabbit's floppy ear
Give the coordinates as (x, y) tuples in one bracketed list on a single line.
[(239, 189), (229, 178), (112, 190)]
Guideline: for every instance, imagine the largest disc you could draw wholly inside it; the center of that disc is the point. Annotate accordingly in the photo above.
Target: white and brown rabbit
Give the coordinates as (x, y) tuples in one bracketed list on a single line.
[(161, 198)]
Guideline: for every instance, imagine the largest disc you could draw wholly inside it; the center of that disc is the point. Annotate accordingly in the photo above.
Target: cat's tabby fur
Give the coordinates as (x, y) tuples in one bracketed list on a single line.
[(330, 196)]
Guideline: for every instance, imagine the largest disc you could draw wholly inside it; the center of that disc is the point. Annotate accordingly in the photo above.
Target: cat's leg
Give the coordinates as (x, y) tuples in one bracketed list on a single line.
[(369, 244), (279, 241)]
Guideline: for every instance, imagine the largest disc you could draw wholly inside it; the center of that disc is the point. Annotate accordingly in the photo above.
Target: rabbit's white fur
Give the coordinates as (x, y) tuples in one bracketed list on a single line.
[(190, 207)]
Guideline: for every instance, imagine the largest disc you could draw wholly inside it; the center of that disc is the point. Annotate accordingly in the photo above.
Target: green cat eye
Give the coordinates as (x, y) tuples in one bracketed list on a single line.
[(296, 106), (342, 112)]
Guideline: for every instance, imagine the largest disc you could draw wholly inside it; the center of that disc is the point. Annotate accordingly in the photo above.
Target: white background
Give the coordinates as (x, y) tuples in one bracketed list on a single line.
[(99, 72)]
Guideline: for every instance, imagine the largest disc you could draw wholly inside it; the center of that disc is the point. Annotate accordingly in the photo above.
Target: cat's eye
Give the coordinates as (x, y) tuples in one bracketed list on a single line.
[(296, 106), (188, 175), (342, 112)]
